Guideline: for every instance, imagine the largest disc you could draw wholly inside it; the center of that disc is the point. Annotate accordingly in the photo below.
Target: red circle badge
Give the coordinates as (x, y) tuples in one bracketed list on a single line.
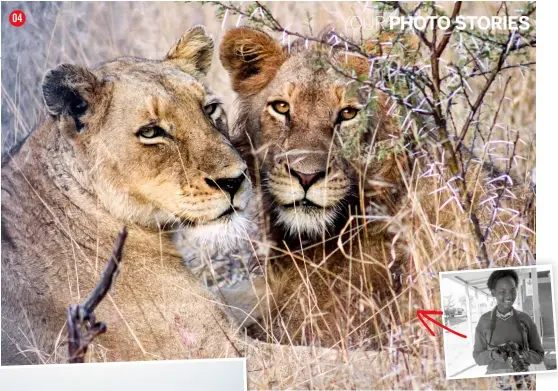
[(17, 18)]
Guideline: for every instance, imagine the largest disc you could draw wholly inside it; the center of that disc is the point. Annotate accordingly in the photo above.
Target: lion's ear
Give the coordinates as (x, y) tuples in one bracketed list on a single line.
[(69, 90), (251, 57), (193, 52)]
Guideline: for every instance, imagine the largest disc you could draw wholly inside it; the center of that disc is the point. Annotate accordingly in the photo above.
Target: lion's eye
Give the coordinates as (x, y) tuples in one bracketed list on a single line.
[(280, 107), (211, 108), (151, 132), (347, 114)]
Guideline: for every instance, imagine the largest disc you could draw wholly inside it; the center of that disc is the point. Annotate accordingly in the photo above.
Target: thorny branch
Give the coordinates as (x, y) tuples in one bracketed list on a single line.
[(430, 94), (82, 317), (441, 124)]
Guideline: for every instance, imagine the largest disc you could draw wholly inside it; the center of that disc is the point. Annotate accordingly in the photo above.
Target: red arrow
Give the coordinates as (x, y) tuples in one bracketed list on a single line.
[(425, 313)]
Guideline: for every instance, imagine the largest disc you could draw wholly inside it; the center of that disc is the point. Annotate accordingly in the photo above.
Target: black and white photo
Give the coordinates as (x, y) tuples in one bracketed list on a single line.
[(507, 316)]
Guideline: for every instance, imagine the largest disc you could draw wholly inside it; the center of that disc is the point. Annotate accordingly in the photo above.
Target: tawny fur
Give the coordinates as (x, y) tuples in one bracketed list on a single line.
[(338, 284), (68, 191)]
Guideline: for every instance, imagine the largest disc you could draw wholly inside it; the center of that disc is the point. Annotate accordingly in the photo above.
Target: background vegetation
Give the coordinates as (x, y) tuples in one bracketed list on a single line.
[(479, 98)]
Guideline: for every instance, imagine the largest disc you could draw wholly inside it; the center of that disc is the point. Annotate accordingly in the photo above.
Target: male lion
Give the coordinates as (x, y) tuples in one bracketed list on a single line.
[(344, 225), (133, 142)]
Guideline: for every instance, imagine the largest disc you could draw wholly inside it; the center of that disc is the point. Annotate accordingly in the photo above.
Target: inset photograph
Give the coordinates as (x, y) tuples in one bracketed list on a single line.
[(507, 316)]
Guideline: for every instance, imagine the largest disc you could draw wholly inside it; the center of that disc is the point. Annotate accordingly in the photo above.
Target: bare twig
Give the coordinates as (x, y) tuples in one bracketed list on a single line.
[(486, 87), (397, 5), (447, 34), (82, 316)]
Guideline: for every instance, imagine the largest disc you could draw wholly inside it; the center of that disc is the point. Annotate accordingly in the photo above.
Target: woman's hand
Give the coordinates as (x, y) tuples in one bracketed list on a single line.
[(497, 356)]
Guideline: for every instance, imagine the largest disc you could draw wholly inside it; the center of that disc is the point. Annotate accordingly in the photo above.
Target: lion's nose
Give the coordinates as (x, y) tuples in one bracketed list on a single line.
[(230, 185), (307, 180)]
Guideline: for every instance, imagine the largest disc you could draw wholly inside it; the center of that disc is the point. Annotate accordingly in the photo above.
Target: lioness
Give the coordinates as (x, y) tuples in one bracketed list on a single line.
[(343, 226), (133, 142)]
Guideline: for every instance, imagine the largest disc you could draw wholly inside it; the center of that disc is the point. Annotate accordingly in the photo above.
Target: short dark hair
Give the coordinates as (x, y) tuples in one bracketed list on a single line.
[(498, 275)]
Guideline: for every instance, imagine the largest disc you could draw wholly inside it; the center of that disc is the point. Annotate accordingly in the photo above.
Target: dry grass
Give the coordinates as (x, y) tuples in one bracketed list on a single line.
[(89, 33)]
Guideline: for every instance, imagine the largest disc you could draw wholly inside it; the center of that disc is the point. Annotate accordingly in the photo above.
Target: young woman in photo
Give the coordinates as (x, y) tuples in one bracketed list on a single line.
[(505, 324)]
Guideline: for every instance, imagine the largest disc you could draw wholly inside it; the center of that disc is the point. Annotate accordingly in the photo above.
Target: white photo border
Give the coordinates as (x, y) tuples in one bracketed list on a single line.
[(537, 267), (165, 375)]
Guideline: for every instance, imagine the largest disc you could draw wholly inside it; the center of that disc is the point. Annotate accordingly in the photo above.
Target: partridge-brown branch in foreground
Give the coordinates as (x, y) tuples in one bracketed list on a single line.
[(81, 317)]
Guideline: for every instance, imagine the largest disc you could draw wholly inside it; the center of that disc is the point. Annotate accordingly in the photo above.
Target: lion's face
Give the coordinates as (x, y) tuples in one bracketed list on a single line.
[(296, 115), (154, 140), (164, 144), (303, 111)]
